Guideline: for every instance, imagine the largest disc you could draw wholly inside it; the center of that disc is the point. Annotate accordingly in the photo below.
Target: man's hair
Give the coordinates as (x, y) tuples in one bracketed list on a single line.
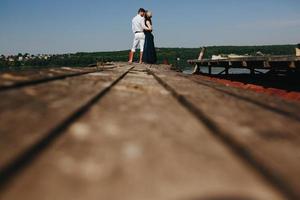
[(141, 10)]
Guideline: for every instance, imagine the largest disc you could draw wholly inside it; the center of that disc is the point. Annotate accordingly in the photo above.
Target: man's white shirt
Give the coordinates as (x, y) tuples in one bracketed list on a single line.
[(138, 24)]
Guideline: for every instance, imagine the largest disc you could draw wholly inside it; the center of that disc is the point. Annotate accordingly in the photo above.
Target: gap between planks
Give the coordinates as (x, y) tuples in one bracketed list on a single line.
[(236, 147), (11, 170)]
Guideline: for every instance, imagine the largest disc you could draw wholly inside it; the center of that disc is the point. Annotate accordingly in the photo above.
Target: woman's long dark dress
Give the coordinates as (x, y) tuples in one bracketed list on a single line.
[(149, 54)]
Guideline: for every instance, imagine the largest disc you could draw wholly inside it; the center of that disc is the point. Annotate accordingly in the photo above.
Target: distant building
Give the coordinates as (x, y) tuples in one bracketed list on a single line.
[(27, 57), (20, 58)]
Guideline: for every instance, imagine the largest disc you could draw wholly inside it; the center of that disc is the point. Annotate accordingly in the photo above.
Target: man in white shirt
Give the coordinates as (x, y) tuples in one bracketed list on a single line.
[(138, 27)]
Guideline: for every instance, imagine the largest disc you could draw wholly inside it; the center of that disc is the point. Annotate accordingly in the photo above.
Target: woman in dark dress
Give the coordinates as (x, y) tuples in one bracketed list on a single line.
[(149, 54)]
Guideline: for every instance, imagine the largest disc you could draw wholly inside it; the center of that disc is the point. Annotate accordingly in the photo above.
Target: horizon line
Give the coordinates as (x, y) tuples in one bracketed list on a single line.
[(110, 51)]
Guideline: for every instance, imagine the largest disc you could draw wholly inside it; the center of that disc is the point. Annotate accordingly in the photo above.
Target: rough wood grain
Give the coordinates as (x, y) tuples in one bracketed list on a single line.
[(268, 140), (29, 114), (280, 106), (11, 78), (138, 143)]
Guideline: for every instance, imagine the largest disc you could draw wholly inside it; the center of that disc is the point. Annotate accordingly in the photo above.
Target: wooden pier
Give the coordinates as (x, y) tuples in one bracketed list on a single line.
[(286, 63), (141, 132)]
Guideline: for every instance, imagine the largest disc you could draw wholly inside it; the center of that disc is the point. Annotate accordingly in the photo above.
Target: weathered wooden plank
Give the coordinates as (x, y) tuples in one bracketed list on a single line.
[(266, 139), (277, 105), (13, 78), (252, 58), (253, 61), (138, 143), (29, 115)]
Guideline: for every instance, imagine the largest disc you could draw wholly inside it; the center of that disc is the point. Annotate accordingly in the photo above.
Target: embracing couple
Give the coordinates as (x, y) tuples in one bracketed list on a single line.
[(143, 37)]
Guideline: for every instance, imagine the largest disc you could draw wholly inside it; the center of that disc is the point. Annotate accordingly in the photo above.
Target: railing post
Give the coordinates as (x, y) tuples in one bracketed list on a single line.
[(201, 56), (252, 71), (226, 70), (196, 69)]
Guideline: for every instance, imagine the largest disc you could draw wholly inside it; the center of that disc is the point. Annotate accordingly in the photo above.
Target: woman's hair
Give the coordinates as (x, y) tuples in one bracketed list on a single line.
[(148, 17)]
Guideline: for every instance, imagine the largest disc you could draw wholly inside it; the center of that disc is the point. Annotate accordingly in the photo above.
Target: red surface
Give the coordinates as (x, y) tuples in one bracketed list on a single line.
[(288, 95)]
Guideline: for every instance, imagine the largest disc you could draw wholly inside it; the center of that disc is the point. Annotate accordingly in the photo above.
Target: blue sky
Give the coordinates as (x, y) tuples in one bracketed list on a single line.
[(67, 26)]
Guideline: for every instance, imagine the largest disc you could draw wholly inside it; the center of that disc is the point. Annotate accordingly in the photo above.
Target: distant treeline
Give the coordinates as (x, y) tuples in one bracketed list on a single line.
[(175, 56), (251, 50)]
